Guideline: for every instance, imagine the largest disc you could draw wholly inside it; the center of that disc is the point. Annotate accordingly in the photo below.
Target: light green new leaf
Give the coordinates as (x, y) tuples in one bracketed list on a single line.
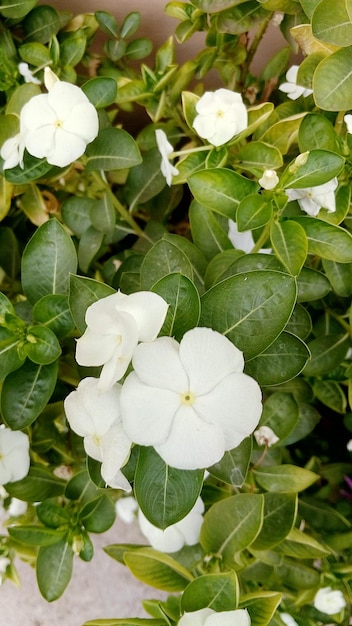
[(290, 244), (113, 149), (82, 293), (16, 8), (251, 308), (241, 520), (284, 478), (218, 592), (327, 240), (157, 569), (335, 26), (299, 545), (332, 81), (165, 494), (54, 569), (48, 259)]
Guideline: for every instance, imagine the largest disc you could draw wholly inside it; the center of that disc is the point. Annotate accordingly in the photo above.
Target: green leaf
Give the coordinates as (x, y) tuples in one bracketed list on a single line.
[(113, 149), (35, 53), (48, 259), (38, 485), (282, 361), (332, 81), (101, 91), (290, 244), (300, 322), (257, 156), (294, 574), (254, 211), (207, 232), (162, 259), (98, 515), (317, 133), (165, 494), (51, 513), (261, 606), (326, 240), (340, 277), (16, 8), (312, 285), (145, 180), (279, 517), (220, 266), (327, 352), (53, 312), (42, 346), (184, 304), (281, 414), (72, 48), (251, 308), (26, 392), (33, 169), (221, 189), (76, 212), (218, 592), (54, 569), (41, 24), (232, 468), (214, 6), (241, 520), (335, 26), (36, 535), (331, 394), (89, 247), (299, 545), (82, 293), (157, 569), (319, 167), (284, 478)]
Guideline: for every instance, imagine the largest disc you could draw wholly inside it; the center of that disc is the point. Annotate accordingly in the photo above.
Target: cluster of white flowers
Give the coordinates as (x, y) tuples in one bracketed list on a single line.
[(56, 125), (191, 400)]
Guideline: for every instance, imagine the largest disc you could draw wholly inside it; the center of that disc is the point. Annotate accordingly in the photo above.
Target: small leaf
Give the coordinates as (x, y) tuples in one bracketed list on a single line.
[(290, 244), (113, 149), (284, 478), (54, 569), (218, 592), (157, 569)]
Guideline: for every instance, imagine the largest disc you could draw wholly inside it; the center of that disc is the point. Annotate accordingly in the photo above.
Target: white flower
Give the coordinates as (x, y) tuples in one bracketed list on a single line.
[(293, 90), (288, 619), (17, 507), (12, 152), (174, 537), (14, 455), (221, 116), (58, 125), (115, 325), (208, 617), (349, 445), (348, 122), (191, 401), (243, 240), (24, 70), (126, 509), (329, 601), (312, 199), (165, 148), (269, 180), (95, 416), (265, 436)]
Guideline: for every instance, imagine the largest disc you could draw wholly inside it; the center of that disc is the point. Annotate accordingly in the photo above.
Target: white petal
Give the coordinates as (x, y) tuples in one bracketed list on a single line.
[(192, 443), (93, 448), (310, 206), (116, 447), (292, 73), (207, 357), (114, 369), (91, 412), (146, 412), (14, 455), (49, 78), (164, 146), (37, 113), (149, 310), (40, 142), (207, 104), (348, 122), (158, 364), (196, 618), (93, 349), (168, 540), (239, 617), (10, 152), (240, 240), (204, 125), (82, 121), (63, 97), (66, 148)]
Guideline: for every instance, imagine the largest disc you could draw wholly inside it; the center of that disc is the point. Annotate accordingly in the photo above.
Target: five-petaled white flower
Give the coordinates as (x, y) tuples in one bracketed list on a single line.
[(165, 148), (265, 436), (95, 416), (312, 199), (174, 537), (348, 122), (27, 74), (269, 180), (329, 601), (191, 401), (115, 325), (293, 90), (221, 116), (14, 455), (209, 617)]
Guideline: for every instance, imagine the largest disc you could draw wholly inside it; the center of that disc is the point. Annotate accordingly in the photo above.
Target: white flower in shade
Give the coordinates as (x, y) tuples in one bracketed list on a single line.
[(115, 325), (191, 401), (243, 240), (349, 445), (312, 199), (208, 617), (12, 152), (221, 116), (24, 70), (17, 507), (58, 125), (165, 148), (329, 601), (265, 436), (95, 416), (174, 537), (126, 509), (14, 455), (288, 619), (348, 122), (293, 90), (269, 180)]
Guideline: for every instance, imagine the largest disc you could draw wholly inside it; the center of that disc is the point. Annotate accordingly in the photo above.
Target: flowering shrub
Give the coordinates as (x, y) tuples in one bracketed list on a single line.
[(175, 306)]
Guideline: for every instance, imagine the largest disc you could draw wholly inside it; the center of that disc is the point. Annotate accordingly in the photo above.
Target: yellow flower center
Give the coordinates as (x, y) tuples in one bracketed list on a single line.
[(188, 398), (219, 113), (59, 123), (97, 440)]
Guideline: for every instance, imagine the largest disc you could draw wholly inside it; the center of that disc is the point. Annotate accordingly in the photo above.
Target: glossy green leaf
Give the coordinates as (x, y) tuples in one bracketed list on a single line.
[(82, 293), (326, 240), (254, 211), (261, 606), (214, 6), (284, 478), (38, 485), (296, 575), (100, 91), (54, 569), (76, 211), (221, 189), (53, 312), (318, 168), (207, 232), (113, 149), (164, 258), (316, 132), (335, 26), (332, 82), (312, 285), (145, 180), (42, 346), (240, 18), (52, 513), (10, 360), (241, 520), (251, 308), (218, 592), (300, 545), (340, 277), (184, 304), (331, 394), (157, 569), (89, 247), (165, 494), (16, 8), (279, 517), (257, 156), (47, 261), (26, 392), (36, 535), (32, 170), (284, 359), (300, 322), (232, 468), (290, 244), (98, 515), (327, 352), (41, 24), (220, 266)]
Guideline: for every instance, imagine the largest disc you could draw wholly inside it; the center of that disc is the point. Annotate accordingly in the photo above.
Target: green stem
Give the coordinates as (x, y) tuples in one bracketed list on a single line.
[(339, 122), (181, 153), (262, 239), (254, 47)]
